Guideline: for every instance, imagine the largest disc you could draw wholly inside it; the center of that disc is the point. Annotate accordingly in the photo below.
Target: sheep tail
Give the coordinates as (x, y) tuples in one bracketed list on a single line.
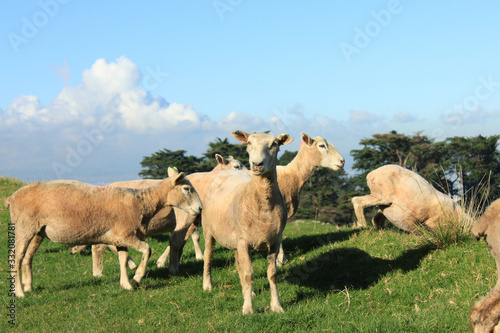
[(6, 203)]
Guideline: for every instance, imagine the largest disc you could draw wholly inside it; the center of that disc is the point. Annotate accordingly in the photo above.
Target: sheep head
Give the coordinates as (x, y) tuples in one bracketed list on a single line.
[(326, 153), (262, 149), (183, 195), (229, 163)]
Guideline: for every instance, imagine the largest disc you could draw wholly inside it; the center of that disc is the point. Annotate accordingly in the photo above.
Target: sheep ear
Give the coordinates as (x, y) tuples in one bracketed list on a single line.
[(307, 139), (240, 136), (220, 159), (175, 176), (284, 139)]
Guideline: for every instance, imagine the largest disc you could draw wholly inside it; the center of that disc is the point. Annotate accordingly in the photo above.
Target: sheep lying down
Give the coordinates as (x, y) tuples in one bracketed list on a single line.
[(74, 213)]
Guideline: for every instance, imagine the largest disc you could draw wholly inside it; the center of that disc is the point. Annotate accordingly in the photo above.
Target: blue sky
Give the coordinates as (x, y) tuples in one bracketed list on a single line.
[(89, 88)]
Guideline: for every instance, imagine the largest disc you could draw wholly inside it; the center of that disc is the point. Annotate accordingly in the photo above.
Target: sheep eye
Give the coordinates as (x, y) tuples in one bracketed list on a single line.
[(322, 146)]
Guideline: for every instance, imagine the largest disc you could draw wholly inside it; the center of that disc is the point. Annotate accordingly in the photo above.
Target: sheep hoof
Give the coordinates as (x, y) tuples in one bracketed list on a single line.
[(199, 257), (160, 263), (280, 263), (126, 285), (207, 287), (277, 308), (132, 265), (247, 310), (20, 294), (254, 294)]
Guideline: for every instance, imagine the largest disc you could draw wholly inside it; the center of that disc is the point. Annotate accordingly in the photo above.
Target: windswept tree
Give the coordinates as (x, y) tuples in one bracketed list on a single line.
[(156, 165)]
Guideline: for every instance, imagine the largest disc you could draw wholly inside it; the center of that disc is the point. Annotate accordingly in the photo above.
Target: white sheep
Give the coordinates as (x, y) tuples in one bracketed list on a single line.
[(485, 314), (404, 198), (75, 213), (244, 213)]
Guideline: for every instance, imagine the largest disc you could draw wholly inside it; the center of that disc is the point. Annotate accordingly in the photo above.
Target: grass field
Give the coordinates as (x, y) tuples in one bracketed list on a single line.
[(336, 280)]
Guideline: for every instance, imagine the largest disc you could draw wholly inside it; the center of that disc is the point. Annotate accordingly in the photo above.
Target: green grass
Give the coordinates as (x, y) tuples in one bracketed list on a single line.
[(336, 280)]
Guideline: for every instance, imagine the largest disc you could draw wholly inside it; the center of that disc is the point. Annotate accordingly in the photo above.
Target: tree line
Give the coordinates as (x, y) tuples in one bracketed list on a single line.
[(456, 166)]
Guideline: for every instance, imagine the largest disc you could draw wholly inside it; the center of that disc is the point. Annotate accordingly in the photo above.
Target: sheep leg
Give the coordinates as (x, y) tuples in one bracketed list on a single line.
[(144, 248), (196, 242), (122, 257), (21, 246), (272, 277), (97, 254), (28, 261), (177, 243), (207, 265), (281, 259), (245, 271), (78, 249), (379, 220), (360, 203), (130, 262), (163, 258)]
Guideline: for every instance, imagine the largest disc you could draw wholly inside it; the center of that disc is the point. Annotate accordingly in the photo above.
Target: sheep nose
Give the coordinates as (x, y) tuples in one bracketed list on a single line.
[(258, 164)]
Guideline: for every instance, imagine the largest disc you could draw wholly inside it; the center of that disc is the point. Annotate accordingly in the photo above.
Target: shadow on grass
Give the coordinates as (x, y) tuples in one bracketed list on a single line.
[(352, 268), (306, 243)]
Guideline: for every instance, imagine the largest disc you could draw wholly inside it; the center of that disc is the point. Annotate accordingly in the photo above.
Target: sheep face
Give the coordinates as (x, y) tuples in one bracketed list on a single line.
[(262, 150), (229, 163), (183, 195), (328, 155)]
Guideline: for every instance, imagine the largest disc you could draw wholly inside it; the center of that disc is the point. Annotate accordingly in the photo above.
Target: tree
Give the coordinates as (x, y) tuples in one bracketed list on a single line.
[(156, 165)]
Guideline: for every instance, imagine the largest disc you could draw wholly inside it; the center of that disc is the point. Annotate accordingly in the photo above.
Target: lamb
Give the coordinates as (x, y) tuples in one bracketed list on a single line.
[(169, 219), (244, 212), (404, 198), (314, 153), (485, 314), (75, 213)]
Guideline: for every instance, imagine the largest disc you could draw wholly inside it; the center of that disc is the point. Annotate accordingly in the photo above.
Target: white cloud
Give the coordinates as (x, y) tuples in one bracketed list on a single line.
[(360, 117), (401, 117)]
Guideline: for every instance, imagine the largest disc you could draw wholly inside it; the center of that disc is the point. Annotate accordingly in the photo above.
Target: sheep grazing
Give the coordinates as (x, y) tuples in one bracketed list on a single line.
[(247, 212), (485, 314), (404, 198), (75, 213), (169, 219)]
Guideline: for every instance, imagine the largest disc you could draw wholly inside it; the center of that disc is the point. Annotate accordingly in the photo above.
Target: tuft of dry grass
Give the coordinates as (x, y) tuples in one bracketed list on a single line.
[(454, 227)]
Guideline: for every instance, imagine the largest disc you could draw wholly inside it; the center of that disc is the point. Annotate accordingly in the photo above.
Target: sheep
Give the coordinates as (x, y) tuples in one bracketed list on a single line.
[(76, 213), (485, 314), (313, 153), (244, 212), (169, 219), (404, 198)]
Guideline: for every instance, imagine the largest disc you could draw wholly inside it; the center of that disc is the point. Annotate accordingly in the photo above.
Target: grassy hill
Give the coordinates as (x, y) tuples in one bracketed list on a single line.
[(336, 280)]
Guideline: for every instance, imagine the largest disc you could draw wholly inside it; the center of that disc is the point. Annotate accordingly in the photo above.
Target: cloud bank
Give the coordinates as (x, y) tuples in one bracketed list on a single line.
[(99, 130)]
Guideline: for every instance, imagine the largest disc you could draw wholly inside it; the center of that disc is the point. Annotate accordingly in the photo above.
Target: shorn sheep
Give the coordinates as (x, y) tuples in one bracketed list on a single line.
[(404, 198), (245, 212), (485, 314), (314, 153), (70, 212), (169, 219)]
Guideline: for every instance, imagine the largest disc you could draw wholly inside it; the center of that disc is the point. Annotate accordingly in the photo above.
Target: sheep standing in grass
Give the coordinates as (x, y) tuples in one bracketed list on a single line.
[(314, 153), (247, 212), (169, 219), (404, 198), (485, 314), (75, 213)]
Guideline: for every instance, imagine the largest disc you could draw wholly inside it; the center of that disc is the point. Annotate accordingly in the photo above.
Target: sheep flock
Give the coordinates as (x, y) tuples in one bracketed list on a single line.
[(241, 209)]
